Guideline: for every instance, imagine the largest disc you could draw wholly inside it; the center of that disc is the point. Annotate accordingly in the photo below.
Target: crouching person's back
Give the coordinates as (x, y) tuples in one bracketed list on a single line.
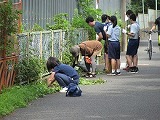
[(62, 73)]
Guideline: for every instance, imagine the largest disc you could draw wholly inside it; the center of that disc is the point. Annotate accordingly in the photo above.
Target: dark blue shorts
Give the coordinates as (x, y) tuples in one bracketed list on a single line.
[(114, 50), (132, 47)]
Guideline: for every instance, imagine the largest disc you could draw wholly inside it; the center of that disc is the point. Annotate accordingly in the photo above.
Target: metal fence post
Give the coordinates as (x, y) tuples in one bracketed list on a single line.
[(52, 43), (60, 43), (40, 45)]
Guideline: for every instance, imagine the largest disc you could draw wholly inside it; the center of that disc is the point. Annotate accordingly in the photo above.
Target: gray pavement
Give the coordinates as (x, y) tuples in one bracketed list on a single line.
[(126, 97)]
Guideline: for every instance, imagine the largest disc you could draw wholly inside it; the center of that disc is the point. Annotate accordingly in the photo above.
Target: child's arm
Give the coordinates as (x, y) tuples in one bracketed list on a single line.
[(51, 79)]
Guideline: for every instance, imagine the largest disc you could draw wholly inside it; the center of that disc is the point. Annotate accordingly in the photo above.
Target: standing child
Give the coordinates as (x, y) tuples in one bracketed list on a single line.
[(101, 34), (113, 35), (129, 13), (62, 73), (106, 21), (133, 45)]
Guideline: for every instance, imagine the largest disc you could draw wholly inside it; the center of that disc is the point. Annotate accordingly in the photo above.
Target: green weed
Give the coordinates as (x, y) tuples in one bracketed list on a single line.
[(19, 96), (91, 82)]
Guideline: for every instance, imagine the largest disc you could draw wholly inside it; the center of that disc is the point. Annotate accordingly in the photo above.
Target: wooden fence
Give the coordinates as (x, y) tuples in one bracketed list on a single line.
[(7, 72)]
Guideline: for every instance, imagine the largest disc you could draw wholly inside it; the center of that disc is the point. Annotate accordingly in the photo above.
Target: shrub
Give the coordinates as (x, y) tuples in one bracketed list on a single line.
[(8, 26), (28, 70)]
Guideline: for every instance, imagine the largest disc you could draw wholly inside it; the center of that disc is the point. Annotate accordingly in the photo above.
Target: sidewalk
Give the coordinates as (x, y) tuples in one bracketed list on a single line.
[(125, 97)]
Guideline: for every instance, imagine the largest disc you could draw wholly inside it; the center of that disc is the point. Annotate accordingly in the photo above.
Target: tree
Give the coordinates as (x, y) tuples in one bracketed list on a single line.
[(86, 8), (8, 24), (136, 5)]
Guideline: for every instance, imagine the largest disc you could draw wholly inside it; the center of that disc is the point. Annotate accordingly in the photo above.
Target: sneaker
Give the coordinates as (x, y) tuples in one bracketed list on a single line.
[(118, 73), (112, 74), (132, 70), (90, 75), (136, 69), (64, 90)]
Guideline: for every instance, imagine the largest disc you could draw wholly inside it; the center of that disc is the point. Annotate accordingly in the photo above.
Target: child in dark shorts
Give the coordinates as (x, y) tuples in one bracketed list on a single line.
[(113, 35), (114, 50), (133, 45), (106, 21)]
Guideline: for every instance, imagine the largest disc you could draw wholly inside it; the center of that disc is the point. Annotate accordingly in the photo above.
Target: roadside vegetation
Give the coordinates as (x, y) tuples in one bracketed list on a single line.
[(28, 83), (19, 96)]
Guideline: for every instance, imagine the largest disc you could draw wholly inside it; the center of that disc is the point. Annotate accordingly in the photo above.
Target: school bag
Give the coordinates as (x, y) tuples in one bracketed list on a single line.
[(73, 90)]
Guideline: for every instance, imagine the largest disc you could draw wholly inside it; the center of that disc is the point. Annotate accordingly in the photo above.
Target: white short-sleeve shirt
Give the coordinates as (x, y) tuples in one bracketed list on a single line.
[(114, 33)]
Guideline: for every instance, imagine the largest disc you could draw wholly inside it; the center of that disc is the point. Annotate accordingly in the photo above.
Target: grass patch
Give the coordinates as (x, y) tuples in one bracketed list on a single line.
[(19, 96), (84, 81)]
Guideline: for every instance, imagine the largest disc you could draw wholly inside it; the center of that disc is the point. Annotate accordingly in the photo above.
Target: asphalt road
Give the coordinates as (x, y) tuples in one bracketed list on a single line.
[(126, 97)]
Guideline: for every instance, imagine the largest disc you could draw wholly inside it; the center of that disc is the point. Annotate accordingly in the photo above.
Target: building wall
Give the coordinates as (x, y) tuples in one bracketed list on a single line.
[(42, 11), (110, 6), (146, 21)]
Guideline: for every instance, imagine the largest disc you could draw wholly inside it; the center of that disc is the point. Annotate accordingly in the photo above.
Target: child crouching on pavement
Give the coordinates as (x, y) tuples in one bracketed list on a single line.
[(62, 73)]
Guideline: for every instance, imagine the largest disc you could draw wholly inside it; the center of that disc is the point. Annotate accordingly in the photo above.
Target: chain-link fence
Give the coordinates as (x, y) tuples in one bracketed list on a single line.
[(49, 43)]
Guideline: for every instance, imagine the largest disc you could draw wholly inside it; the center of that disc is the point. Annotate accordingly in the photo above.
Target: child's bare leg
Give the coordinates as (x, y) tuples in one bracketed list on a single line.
[(51, 79)]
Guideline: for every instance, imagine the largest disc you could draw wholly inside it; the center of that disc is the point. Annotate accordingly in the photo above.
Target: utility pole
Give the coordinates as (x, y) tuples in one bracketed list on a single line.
[(143, 14), (156, 7), (124, 37), (97, 4), (97, 59)]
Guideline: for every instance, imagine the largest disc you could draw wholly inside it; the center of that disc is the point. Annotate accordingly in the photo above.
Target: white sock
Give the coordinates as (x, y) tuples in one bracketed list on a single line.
[(118, 70), (113, 70)]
